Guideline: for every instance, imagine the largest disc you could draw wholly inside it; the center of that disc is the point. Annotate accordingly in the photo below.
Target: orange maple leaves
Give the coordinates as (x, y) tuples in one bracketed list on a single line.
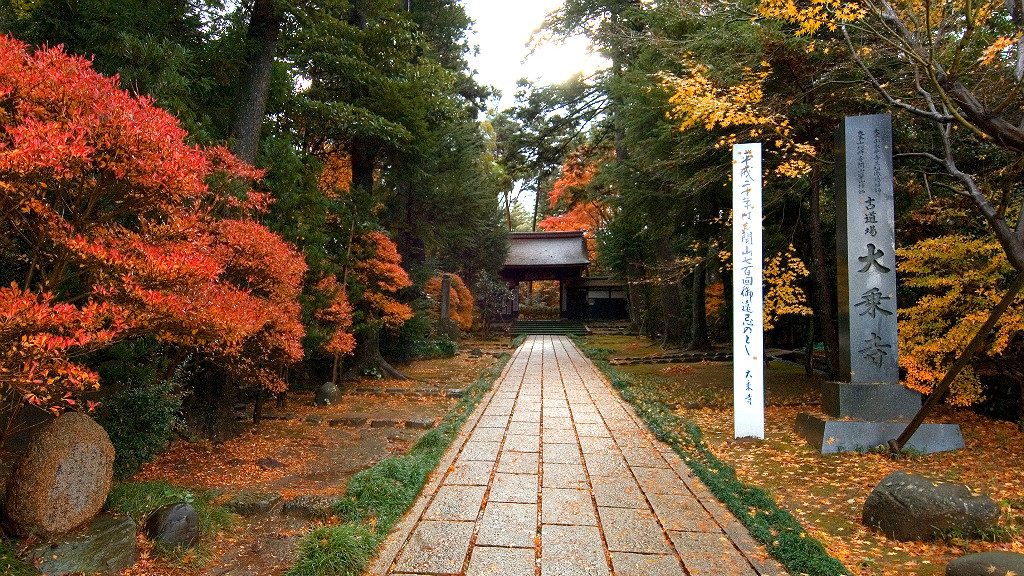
[(460, 300), (123, 229), (378, 270), (580, 211)]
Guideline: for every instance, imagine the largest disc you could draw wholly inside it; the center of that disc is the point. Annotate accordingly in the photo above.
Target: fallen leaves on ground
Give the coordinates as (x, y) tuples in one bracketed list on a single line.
[(827, 493)]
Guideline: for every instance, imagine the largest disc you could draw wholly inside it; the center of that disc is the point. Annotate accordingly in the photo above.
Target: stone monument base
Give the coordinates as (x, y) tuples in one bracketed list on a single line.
[(834, 436), (882, 401)]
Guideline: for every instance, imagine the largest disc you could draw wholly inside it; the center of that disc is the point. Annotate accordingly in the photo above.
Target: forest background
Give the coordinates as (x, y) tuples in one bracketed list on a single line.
[(363, 162)]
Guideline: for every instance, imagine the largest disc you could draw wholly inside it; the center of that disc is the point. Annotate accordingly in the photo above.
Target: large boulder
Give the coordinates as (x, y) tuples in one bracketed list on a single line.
[(62, 480), (911, 507), (987, 564), (174, 525), (107, 546)]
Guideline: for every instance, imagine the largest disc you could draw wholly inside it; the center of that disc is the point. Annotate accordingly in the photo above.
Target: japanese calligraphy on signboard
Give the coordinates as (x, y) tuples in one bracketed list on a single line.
[(867, 298), (747, 297)]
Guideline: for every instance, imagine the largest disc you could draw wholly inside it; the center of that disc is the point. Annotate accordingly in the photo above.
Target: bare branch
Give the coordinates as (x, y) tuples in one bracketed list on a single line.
[(885, 93)]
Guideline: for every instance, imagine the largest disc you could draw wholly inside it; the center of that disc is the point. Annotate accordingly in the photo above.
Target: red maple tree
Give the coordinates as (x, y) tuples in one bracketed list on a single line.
[(121, 228)]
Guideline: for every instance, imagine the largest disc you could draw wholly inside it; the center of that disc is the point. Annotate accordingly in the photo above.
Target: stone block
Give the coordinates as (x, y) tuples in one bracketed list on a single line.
[(835, 436), (875, 402)]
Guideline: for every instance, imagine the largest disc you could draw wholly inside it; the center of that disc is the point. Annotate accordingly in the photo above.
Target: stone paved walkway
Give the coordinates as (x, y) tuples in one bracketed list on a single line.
[(554, 475)]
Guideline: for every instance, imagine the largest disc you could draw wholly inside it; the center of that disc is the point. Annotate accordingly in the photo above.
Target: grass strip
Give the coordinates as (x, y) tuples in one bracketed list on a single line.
[(782, 534), (376, 498), (10, 564)]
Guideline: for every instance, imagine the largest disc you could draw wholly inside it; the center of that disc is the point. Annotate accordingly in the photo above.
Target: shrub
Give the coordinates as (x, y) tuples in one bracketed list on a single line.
[(443, 348), (140, 421)]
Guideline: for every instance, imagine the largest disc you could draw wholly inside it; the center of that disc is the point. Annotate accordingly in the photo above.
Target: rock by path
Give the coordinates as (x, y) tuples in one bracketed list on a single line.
[(554, 475)]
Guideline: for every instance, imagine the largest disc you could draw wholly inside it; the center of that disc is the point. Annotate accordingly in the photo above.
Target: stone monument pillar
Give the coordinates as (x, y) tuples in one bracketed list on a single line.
[(869, 398), (445, 319)]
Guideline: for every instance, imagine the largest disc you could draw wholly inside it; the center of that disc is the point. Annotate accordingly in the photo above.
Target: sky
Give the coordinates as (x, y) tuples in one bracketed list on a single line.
[(502, 30)]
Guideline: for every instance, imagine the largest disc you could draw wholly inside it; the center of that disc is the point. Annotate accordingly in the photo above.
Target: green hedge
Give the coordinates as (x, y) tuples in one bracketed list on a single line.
[(781, 533)]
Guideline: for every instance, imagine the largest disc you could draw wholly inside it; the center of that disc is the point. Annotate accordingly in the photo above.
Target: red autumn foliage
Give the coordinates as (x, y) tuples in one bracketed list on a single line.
[(460, 300), (578, 211), (122, 229), (377, 269), (338, 314)]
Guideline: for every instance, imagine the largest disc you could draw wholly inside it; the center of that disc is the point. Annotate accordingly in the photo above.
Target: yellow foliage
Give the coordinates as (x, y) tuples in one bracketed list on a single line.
[(783, 296), (697, 101), (810, 16), (959, 280)]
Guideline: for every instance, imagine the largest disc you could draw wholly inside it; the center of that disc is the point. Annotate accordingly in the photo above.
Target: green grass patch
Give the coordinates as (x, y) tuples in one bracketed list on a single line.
[(376, 498), (139, 499), (10, 564), (781, 533)]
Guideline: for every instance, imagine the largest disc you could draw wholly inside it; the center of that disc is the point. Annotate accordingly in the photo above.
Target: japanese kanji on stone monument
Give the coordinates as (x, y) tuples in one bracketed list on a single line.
[(868, 396)]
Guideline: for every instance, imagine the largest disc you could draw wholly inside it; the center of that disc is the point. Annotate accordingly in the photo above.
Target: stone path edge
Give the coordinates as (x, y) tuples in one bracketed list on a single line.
[(752, 550), (392, 546)]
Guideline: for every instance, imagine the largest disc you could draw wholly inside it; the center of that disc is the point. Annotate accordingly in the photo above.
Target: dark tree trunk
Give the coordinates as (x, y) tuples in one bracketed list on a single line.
[(367, 357), (671, 300), (823, 282), (410, 239), (699, 315), (363, 164), (261, 45), (209, 410)]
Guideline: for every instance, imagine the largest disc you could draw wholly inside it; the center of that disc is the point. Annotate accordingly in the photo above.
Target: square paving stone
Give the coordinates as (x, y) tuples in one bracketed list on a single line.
[(558, 475), (471, 473), (456, 503), (707, 554), (487, 435), (644, 457), (619, 492), (629, 564), (559, 436), (531, 416), (629, 530), (497, 411), (557, 412), (522, 443), (606, 464), (492, 422), (564, 506), (561, 454), (572, 551), (597, 444), (682, 512), (592, 430), (514, 488), (524, 428), (585, 417), (519, 462), (486, 451), (486, 561), (436, 547), (508, 524), (557, 422), (659, 481)]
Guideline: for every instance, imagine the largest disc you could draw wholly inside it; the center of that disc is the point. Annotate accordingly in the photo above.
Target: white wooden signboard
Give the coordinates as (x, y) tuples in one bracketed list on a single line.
[(747, 294)]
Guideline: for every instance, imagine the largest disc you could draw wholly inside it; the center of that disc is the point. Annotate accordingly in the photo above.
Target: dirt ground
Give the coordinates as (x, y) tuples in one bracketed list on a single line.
[(827, 493), (308, 450)]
